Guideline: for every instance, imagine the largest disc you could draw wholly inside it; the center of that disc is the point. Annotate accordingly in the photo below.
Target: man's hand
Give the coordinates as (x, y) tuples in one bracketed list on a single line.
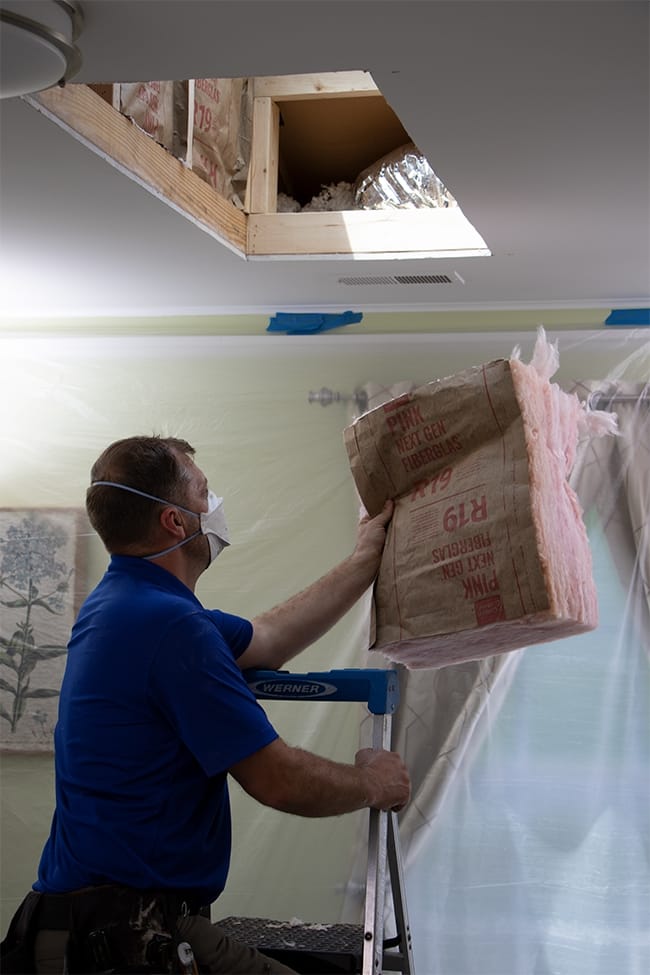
[(371, 537), (388, 782)]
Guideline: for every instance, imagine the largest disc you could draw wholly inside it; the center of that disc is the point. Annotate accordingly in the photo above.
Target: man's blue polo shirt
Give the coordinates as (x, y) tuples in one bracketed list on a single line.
[(153, 712)]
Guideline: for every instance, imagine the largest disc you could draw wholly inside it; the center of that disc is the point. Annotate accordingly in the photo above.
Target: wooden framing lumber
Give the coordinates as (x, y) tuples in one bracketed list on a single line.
[(262, 188), (332, 84), (390, 233), (86, 116)]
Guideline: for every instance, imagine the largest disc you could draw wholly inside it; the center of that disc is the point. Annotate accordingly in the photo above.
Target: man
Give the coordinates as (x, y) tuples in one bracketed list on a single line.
[(155, 713)]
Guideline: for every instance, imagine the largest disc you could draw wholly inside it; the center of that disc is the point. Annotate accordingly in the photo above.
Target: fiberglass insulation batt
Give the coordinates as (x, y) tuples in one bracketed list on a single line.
[(486, 551)]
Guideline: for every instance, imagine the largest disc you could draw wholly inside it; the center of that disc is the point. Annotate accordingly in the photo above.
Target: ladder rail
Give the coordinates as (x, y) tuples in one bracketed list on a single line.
[(398, 889), (373, 926)]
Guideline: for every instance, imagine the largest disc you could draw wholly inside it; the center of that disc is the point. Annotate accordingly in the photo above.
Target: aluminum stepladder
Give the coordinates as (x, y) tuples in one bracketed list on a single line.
[(379, 689)]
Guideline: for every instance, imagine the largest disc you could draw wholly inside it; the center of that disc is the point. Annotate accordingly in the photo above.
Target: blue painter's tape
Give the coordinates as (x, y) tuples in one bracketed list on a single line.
[(632, 317), (308, 324)]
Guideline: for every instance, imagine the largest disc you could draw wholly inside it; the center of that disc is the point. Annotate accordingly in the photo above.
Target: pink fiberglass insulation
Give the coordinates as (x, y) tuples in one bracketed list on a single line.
[(487, 551)]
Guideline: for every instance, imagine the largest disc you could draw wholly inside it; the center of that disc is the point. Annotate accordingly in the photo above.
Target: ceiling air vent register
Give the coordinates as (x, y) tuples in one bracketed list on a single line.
[(403, 279)]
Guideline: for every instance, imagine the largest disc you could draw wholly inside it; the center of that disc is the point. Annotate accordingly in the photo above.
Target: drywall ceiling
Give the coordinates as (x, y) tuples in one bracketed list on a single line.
[(535, 114)]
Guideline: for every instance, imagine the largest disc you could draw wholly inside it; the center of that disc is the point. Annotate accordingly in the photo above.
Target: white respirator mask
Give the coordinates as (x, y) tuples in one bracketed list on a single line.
[(212, 522)]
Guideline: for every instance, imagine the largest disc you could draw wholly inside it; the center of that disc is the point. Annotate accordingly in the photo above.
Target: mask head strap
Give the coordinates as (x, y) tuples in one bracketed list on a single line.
[(152, 497), (143, 494)]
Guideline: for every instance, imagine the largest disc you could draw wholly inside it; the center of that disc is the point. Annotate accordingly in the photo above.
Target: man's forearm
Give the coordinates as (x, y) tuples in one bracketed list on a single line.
[(281, 633), (289, 628), (299, 782)]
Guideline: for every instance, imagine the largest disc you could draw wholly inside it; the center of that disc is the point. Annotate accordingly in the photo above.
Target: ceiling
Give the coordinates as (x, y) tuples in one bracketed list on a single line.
[(535, 115)]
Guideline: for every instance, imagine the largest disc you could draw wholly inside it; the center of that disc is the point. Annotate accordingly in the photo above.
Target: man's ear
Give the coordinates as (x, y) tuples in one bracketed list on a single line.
[(171, 521)]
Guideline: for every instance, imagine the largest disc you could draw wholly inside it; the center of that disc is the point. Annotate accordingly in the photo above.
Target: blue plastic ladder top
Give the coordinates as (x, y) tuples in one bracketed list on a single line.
[(378, 688)]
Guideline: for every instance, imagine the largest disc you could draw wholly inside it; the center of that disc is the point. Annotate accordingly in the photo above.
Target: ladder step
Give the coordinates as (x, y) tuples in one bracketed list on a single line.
[(307, 947), (293, 934)]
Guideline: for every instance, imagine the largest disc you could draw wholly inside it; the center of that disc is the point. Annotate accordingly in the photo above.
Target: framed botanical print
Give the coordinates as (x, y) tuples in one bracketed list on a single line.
[(41, 577)]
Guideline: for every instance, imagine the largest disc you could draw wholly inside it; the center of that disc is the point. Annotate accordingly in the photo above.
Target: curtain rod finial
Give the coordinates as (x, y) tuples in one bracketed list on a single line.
[(325, 396)]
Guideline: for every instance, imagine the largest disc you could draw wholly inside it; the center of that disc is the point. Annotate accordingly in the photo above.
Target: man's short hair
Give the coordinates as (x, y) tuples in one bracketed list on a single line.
[(150, 464)]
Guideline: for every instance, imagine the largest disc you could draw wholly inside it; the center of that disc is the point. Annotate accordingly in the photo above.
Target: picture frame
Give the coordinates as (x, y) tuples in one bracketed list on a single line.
[(42, 575)]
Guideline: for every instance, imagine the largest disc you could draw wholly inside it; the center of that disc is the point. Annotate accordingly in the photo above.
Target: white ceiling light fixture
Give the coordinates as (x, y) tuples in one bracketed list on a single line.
[(37, 44)]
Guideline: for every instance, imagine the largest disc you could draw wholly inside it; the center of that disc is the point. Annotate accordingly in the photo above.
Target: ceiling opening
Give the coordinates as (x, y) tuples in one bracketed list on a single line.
[(332, 140), (229, 153)]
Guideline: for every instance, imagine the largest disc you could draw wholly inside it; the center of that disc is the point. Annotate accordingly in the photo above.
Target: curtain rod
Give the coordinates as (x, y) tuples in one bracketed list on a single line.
[(325, 396), (600, 399)]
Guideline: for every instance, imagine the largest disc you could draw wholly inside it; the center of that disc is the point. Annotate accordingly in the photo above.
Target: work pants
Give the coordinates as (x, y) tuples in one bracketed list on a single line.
[(213, 950)]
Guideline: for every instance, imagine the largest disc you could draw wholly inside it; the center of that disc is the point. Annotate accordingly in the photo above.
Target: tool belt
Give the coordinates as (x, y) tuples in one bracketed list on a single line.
[(111, 929)]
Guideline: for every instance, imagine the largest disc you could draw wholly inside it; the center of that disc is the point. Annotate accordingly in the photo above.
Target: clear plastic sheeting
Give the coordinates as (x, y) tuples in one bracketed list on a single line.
[(403, 179), (526, 840)]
